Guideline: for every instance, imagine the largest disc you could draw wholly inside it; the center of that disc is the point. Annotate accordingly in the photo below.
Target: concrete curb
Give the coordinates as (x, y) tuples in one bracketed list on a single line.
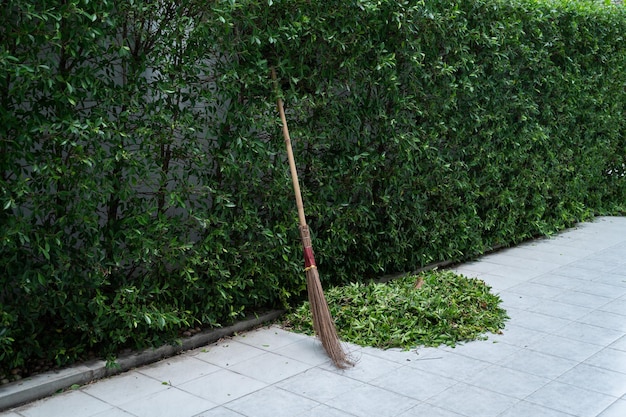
[(43, 385)]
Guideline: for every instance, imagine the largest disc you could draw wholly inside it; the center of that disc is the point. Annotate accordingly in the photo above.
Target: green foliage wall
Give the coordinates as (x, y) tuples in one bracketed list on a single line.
[(143, 184)]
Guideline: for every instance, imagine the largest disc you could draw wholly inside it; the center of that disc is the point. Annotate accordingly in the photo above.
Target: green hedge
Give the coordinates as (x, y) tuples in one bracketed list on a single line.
[(144, 187)]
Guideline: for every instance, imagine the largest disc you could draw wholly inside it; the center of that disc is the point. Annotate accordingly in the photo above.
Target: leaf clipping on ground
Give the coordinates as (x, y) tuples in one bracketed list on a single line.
[(433, 308)]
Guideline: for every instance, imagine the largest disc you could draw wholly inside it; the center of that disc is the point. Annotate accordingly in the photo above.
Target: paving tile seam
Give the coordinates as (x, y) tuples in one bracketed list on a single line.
[(561, 357), (168, 383), (608, 397), (501, 393), (589, 388), (457, 412), (580, 303), (178, 388), (225, 404), (543, 376), (370, 384), (530, 348), (318, 403), (605, 327), (328, 406), (490, 362), (539, 336), (373, 385), (612, 404), (552, 408), (540, 406)]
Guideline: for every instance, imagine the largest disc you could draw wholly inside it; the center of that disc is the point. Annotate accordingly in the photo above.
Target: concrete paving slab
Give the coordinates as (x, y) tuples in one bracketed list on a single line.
[(227, 353), (270, 367), (590, 334), (272, 402), (506, 381), (596, 379), (114, 412), (452, 365), (561, 310), (487, 351), (325, 411), (219, 412), (571, 400), (123, 389), (372, 401), (617, 409), (424, 409), (527, 409), (619, 344), (539, 364), (611, 359), (617, 306), (565, 348), (223, 386), (168, 403), (178, 370), (319, 384), (469, 400), (414, 383)]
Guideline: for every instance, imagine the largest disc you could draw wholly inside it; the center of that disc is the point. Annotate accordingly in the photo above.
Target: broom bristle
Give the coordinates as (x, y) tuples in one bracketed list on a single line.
[(323, 322)]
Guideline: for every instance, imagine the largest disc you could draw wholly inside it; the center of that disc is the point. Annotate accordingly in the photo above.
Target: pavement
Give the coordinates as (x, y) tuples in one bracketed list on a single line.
[(562, 353)]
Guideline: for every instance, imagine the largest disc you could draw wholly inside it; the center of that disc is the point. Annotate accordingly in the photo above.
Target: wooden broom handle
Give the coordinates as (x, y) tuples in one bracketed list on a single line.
[(292, 162)]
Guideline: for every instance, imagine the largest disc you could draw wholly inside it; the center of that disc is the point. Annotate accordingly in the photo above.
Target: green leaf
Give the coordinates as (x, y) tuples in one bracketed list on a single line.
[(434, 308)]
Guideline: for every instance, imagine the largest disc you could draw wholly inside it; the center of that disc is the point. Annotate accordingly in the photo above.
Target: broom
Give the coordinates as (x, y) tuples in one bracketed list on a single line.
[(323, 323)]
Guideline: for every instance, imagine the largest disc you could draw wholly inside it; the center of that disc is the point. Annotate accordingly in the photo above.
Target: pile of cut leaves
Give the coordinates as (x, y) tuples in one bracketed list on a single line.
[(430, 309)]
